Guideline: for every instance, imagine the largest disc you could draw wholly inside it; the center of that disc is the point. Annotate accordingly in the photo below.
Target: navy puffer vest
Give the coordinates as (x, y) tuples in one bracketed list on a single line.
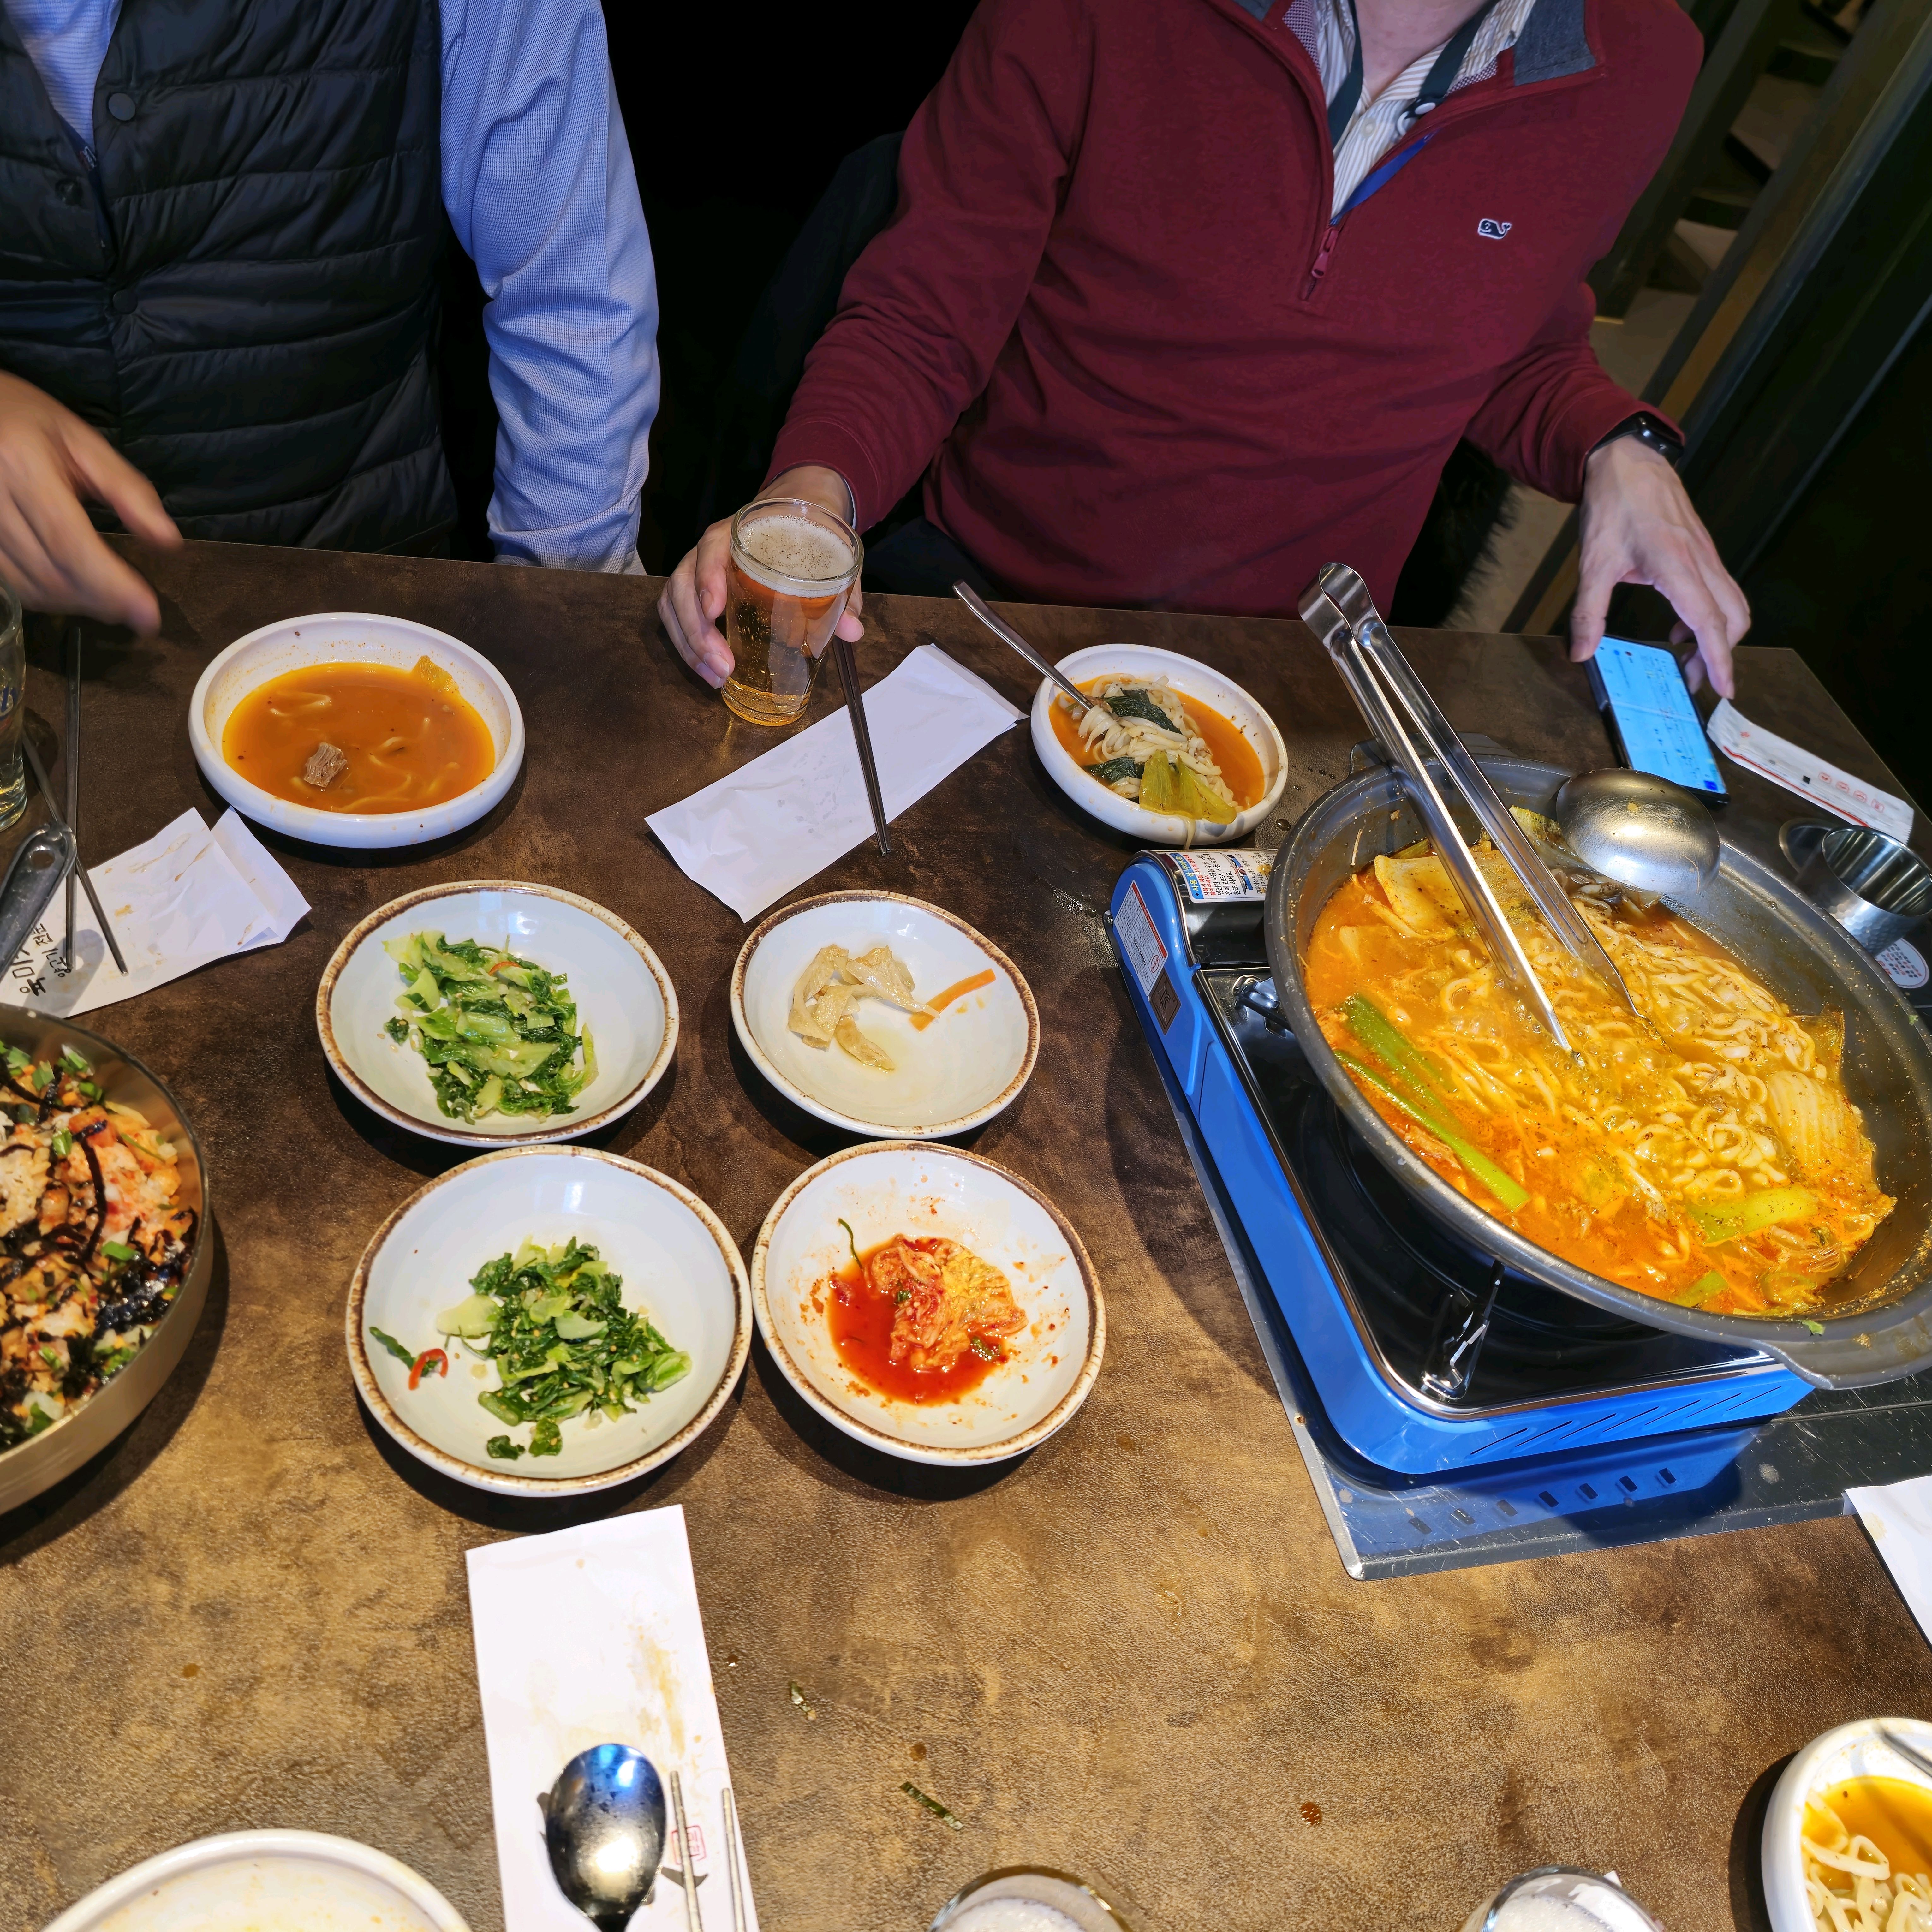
[(242, 296)]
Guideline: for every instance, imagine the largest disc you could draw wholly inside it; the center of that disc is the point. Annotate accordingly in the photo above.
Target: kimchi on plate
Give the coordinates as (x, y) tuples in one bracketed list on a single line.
[(1702, 1150)]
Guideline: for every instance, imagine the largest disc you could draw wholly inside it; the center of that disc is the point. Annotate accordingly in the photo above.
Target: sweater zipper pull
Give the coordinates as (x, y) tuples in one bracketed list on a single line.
[(1321, 267)]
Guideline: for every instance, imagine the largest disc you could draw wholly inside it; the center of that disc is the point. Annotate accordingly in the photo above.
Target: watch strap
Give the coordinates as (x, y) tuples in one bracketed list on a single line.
[(1652, 431)]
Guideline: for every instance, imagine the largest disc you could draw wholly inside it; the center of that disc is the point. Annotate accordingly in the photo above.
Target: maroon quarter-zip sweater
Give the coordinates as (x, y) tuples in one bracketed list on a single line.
[(1095, 322)]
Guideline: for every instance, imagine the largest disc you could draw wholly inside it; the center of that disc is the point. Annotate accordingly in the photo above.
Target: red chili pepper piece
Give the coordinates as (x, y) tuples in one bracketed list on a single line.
[(423, 1361)]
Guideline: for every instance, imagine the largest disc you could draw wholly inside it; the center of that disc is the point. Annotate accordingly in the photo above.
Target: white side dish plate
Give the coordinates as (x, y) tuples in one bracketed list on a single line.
[(960, 1070), (1851, 1750), (1192, 680), (353, 637), (909, 1188), (624, 998), (250, 1881), (675, 1260)]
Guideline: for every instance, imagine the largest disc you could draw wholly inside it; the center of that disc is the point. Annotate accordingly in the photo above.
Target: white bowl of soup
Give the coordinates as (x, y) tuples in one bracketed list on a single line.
[(1847, 1807), (349, 729), (1228, 759)]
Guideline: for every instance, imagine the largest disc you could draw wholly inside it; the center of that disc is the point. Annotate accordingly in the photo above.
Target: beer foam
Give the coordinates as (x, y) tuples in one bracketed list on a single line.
[(1010, 1914), (790, 548)]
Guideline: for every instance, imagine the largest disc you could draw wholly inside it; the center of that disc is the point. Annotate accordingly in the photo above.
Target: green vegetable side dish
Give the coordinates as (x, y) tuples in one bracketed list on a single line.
[(554, 1322), (499, 1033)]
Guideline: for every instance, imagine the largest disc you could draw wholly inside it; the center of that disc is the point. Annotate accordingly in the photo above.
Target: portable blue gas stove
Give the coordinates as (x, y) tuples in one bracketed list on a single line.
[(1450, 1410)]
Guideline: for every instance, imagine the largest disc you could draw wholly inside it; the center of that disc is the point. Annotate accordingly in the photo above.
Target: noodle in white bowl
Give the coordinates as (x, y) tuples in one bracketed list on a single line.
[(1852, 1887)]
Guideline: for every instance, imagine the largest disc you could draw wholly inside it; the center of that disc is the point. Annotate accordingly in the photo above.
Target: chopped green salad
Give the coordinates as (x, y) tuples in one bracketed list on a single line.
[(553, 1320), (500, 1034)]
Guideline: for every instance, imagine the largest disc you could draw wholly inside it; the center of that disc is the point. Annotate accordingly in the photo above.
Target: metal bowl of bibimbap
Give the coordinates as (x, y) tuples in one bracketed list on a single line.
[(104, 1253)]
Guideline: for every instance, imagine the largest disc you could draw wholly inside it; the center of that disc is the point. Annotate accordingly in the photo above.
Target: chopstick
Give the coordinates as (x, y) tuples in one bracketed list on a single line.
[(693, 1920), (855, 707), (1915, 1758), (731, 1862), (72, 762), (39, 772)]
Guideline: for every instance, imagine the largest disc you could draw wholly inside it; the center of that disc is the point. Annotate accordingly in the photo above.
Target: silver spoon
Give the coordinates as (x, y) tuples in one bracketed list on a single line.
[(603, 1827), (1643, 831)]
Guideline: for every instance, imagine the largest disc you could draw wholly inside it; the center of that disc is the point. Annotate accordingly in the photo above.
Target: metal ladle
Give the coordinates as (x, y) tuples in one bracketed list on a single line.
[(603, 1827), (1642, 831)]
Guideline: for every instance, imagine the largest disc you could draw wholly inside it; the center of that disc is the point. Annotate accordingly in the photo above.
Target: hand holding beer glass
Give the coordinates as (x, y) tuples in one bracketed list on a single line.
[(783, 574)]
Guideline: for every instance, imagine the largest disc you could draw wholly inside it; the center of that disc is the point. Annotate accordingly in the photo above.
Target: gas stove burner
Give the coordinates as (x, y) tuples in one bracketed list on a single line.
[(1449, 1411), (1449, 1323)]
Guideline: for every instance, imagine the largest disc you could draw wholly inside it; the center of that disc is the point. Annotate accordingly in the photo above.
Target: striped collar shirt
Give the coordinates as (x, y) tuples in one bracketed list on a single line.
[(1327, 28)]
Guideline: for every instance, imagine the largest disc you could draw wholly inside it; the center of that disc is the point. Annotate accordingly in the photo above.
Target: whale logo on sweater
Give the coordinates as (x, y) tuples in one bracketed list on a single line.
[(1493, 231)]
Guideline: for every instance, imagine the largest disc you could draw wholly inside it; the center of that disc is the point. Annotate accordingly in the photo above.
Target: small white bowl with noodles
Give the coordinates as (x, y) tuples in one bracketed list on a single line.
[(1852, 1818), (1228, 734), (928, 1303)]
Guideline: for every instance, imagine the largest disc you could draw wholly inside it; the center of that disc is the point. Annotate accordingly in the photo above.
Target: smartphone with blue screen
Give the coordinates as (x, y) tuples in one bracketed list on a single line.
[(1641, 689)]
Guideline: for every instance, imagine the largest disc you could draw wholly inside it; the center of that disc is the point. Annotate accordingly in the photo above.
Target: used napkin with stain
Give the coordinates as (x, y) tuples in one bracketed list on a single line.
[(774, 822), (592, 1637), (187, 897)]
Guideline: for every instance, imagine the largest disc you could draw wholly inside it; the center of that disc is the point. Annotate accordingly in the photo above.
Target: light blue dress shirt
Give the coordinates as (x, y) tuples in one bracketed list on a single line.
[(537, 178)]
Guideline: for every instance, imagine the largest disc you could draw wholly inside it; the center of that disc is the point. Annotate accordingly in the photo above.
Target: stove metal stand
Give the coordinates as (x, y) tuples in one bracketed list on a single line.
[(1450, 1412)]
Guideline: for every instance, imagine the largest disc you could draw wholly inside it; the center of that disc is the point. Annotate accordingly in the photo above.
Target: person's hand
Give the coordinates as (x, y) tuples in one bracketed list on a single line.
[(693, 597), (1638, 527), (50, 463)]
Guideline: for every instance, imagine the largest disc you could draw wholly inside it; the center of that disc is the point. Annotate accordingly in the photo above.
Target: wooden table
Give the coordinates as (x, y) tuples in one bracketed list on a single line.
[(1134, 1653)]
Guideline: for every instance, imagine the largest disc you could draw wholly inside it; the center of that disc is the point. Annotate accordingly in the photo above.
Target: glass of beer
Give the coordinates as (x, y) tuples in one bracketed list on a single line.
[(792, 567)]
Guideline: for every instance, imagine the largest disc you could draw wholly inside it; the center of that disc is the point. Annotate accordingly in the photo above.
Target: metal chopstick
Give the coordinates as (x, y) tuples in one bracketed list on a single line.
[(39, 772), (1912, 1755), (1010, 637), (855, 708), (731, 1862), (72, 760), (693, 1920)]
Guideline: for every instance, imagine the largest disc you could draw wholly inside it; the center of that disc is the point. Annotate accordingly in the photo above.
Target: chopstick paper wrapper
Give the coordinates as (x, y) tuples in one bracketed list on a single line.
[(1807, 774), (187, 897), (1899, 1517), (592, 1637), (777, 821)]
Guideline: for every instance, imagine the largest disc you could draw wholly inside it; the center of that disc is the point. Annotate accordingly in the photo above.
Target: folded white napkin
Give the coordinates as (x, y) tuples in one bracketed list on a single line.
[(1899, 1516), (592, 1637), (773, 823), (188, 896)]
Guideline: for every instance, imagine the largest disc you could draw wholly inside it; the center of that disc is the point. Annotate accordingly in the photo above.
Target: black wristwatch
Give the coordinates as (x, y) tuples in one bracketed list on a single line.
[(1653, 432)]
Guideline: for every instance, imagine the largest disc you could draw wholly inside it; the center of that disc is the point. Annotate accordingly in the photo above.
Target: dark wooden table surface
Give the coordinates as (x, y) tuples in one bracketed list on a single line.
[(1134, 1654)]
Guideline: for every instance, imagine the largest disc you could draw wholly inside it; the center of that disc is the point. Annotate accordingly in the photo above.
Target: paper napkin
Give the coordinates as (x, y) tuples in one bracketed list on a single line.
[(592, 1637), (1899, 1516), (773, 823), (187, 897), (1807, 774)]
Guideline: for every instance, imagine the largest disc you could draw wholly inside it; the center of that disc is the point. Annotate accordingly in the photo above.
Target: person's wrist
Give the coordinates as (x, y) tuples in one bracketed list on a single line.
[(1643, 430), (1624, 456)]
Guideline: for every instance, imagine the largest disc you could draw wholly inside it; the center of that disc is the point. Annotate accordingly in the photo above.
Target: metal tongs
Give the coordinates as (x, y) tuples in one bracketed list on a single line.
[(1400, 711)]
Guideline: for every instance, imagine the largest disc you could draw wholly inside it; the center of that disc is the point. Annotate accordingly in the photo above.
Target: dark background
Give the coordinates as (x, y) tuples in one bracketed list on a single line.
[(737, 118)]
